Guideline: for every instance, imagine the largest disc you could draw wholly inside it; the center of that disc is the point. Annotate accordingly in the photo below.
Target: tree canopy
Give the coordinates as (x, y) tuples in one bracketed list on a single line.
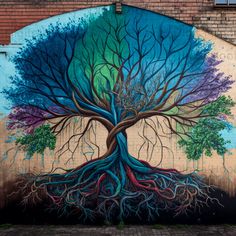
[(119, 69)]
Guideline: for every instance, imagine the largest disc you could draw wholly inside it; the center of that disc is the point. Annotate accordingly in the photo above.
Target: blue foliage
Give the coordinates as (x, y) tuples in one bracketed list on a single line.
[(165, 47)]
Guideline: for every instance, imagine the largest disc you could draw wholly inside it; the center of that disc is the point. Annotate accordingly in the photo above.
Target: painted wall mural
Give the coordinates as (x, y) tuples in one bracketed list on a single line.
[(100, 102)]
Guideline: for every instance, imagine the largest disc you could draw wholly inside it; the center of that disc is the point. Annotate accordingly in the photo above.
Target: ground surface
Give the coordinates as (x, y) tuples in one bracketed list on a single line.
[(156, 230)]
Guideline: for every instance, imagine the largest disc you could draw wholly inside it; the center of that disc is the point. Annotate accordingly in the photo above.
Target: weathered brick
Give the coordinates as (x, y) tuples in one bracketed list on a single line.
[(15, 14)]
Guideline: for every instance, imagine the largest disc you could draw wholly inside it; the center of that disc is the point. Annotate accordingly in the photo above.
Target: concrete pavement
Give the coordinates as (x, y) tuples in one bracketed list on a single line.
[(120, 230)]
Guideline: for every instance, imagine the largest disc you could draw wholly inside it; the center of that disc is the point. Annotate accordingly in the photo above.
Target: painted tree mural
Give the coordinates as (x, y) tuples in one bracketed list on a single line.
[(118, 70)]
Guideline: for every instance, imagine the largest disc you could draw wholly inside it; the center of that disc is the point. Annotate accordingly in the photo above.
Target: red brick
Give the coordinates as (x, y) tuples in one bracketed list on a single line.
[(17, 14)]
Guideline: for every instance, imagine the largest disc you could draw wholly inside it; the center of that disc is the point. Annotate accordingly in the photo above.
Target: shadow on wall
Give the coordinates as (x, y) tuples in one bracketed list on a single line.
[(16, 211)]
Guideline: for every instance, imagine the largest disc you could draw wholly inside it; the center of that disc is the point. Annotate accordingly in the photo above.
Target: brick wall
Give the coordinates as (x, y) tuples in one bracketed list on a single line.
[(15, 14)]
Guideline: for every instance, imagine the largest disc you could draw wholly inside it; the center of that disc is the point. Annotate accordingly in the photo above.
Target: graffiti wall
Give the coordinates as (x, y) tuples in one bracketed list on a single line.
[(113, 117)]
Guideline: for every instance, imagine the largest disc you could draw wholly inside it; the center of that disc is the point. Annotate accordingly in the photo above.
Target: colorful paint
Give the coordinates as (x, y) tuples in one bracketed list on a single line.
[(117, 71)]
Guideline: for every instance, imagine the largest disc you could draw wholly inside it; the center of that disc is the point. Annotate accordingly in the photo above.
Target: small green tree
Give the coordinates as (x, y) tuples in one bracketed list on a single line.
[(205, 136), (38, 141)]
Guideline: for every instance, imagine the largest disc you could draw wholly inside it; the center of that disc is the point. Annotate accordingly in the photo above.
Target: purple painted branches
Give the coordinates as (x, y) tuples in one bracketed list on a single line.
[(26, 118)]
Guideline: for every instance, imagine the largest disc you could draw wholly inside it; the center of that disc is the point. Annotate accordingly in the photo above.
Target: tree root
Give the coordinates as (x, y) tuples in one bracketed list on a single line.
[(114, 189)]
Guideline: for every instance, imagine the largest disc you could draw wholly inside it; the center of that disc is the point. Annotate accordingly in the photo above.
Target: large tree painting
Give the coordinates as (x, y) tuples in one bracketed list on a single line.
[(117, 70)]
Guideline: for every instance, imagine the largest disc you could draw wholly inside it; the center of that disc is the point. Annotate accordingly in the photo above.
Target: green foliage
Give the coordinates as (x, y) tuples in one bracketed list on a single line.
[(5, 226), (204, 137), (37, 142), (121, 225), (222, 105), (158, 226)]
